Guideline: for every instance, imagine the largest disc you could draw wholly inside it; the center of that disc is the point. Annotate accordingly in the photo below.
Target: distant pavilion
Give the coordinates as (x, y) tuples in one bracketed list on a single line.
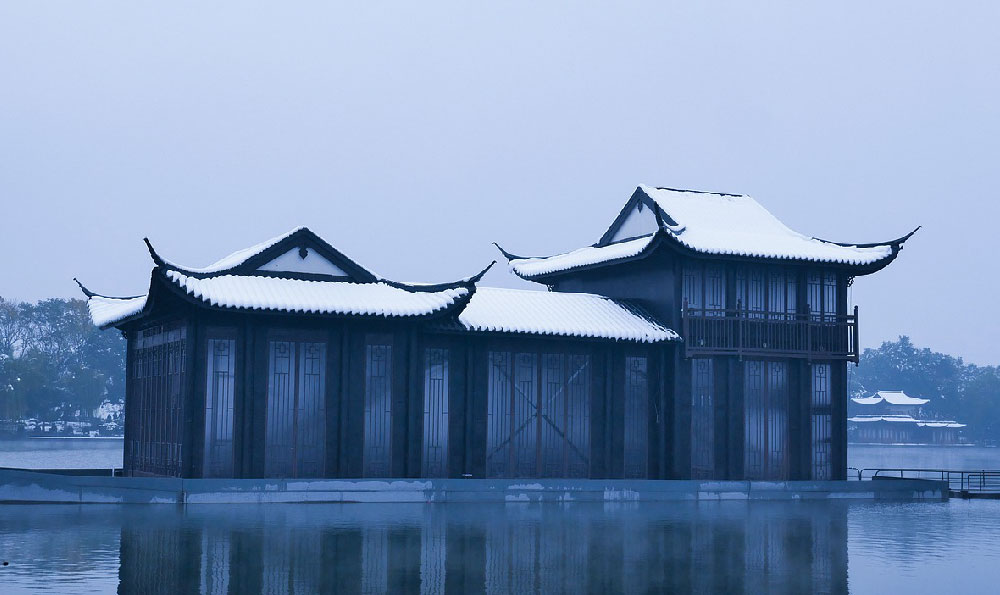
[(893, 417)]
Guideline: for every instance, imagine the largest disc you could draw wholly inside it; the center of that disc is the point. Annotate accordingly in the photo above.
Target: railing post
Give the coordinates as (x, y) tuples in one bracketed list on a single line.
[(685, 327), (739, 329), (809, 345), (857, 343)]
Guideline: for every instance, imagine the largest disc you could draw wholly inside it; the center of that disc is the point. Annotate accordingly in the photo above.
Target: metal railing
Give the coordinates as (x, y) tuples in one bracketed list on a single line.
[(721, 331), (959, 480)]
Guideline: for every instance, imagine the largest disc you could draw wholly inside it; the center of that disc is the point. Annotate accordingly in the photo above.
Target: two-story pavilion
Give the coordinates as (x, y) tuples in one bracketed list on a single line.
[(288, 359), (758, 389)]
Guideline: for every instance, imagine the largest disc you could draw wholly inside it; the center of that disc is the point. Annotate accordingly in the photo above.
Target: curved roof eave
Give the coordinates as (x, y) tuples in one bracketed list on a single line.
[(664, 235)]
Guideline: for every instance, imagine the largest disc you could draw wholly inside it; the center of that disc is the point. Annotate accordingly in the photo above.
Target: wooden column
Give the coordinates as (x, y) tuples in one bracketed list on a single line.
[(737, 429), (193, 453), (414, 405), (334, 354)]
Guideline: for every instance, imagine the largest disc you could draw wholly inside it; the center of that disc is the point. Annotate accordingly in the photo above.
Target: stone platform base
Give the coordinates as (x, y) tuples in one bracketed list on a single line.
[(33, 487)]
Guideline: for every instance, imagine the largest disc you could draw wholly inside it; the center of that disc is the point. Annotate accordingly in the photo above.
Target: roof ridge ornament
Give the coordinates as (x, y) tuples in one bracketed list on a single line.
[(509, 255), (83, 288), (157, 259), (478, 276)]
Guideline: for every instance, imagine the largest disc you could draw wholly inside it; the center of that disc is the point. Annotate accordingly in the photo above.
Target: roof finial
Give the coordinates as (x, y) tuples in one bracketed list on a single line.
[(157, 260), (85, 291), (506, 254), (476, 278)]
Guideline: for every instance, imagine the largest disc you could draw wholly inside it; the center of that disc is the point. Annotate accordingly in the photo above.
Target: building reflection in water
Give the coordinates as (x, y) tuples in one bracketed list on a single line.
[(706, 548)]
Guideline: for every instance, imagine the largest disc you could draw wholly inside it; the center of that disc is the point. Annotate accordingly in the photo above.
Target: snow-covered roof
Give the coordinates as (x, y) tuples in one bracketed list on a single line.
[(296, 272), (315, 297), (892, 397), (736, 224), (889, 418), (533, 267), (940, 424), (239, 257), (106, 311), (928, 423), (563, 314), (707, 223), (247, 281)]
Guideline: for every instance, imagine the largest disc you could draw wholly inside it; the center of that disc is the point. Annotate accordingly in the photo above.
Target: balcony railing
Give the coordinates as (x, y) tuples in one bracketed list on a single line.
[(743, 332)]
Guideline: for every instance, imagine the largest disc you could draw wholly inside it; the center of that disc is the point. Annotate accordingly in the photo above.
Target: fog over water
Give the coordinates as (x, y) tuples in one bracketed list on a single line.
[(411, 136)]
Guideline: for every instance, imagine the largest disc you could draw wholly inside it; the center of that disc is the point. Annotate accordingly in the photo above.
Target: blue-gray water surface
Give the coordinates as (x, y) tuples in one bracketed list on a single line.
[(727, 547)]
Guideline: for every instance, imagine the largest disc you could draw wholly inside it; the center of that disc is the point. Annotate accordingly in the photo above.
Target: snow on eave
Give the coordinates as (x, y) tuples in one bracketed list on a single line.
[(226, 263), (265, 293), (737, 225), (898, 397), (924, 423), (584, 315), (579, 258), (110, 311)]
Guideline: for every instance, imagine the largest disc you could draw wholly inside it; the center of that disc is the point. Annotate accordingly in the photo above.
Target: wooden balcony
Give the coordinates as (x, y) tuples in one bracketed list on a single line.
[(770, 334)]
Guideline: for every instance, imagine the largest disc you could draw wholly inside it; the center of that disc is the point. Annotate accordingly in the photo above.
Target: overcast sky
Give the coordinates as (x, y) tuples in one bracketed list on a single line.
[(414, 135)]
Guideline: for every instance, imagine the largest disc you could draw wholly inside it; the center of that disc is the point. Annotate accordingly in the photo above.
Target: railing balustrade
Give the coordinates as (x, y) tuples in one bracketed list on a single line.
[(984, 481), (742, 332)]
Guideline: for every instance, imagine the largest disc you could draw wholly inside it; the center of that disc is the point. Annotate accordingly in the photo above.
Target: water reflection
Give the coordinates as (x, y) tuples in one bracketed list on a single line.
[(729, 547)]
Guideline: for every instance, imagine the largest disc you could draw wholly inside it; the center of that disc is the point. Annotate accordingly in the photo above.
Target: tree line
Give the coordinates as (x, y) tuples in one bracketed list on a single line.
[(958, 391), (54, 361)]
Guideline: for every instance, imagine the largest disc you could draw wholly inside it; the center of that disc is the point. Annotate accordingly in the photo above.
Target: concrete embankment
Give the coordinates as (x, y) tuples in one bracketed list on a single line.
[(32, 487)]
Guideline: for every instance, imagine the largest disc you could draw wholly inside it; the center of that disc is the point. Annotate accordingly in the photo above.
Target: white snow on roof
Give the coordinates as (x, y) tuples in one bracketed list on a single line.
[(530, 267), (739, 225), (892, 397), (556, 313), (898, 397), (940, 424), (891, 418), (314, 297), (867, 400), (906, 419), (105, 311), (236, 258)]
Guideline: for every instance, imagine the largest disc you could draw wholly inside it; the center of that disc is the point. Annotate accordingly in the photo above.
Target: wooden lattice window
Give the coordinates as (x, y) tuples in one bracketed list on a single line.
[(220, 377), (821, 295), (636, 418), (765, 386), (377, 452), (295, 436), (704, 287), (157, 392), (538, 420), (821, 417), (434, 462), (702, 418)]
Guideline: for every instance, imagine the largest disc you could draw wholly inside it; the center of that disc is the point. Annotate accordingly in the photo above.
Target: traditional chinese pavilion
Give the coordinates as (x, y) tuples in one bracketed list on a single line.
[(894, 417), (289, 359)]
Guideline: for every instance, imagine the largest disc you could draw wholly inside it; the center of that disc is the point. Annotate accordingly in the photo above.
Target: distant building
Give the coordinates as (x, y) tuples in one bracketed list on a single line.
[(893, 417), (888, 402), (289, 359)]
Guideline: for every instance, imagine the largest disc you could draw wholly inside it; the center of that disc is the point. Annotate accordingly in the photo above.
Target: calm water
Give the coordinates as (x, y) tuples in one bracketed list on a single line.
[(704, 548), (62, 453), (732, 547)]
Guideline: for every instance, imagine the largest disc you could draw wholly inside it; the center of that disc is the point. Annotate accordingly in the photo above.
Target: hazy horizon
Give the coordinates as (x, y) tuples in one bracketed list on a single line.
[(412, 137)]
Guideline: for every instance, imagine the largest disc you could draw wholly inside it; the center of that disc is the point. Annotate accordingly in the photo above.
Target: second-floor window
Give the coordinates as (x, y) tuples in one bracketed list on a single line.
[(771, 290), (704, 288), (821, 295)]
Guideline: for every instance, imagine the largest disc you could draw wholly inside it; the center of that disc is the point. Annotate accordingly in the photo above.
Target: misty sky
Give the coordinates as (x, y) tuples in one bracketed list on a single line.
[(411, 136)]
